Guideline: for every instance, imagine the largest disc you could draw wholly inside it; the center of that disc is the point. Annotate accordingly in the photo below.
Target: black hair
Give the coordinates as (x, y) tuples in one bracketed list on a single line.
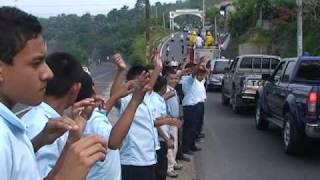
[(135, 71), (66, 70), (160, 83), (169, 70), (16, 29), (86, 90)]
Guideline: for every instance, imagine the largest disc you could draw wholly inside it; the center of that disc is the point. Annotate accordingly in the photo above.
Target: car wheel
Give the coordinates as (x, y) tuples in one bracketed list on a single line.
[(224, 99), (293, 140), (261, 122), (234, 104)]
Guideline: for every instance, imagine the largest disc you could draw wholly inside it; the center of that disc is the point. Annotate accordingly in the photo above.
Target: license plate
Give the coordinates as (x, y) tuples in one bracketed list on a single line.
[(254, 82)]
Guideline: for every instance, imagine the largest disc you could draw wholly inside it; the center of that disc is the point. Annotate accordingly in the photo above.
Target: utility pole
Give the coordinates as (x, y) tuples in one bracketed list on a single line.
[(203, 13), (300, 28), (163, 20), (147, 29)]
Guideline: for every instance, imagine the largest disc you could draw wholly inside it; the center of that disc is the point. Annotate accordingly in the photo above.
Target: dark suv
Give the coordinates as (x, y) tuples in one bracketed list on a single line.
[(290, 99)]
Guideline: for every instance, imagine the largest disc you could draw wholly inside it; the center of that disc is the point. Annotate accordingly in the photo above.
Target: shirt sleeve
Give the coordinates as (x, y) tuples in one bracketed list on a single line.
[(5, 154)]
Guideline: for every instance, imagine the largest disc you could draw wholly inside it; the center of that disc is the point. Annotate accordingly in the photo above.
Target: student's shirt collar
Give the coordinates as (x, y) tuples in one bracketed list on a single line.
[(11, 118), (49, 111)]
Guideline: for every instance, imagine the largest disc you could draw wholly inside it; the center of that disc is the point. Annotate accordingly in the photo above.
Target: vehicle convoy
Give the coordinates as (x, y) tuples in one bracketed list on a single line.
[(217, 70), (290, 99), (243, 78)]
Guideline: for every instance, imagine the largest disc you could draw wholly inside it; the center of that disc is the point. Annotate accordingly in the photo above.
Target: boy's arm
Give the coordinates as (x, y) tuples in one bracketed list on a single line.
[(167, 121), (168, 140), (125, 89), (121, 128), (169, 95), (53, 130), (120, 74), (77, 158), (157, 68), (79, 153)]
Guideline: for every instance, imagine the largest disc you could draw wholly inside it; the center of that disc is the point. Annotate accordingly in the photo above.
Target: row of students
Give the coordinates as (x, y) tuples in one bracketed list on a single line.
[(49, 143)]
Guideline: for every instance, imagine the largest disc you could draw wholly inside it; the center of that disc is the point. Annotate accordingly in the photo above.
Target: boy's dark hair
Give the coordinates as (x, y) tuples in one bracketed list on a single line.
[(86, 90), (160, 83), (135, 71), (66, 70), (16, 29), (169, 70)]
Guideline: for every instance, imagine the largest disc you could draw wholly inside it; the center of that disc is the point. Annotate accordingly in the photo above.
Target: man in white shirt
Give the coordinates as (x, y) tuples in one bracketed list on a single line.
[(199, 41), (194, 96), (23, 79)]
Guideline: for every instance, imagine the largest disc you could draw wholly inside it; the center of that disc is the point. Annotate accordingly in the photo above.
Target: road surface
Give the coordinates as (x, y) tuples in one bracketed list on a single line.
[(234, 150)]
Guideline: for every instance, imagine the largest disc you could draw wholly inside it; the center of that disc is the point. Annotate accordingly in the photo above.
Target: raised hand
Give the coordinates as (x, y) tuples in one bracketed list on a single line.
[(157, 61), (53, 130), (80, 156), (83, 108), (57, 127), (141, 86), (119, 61)]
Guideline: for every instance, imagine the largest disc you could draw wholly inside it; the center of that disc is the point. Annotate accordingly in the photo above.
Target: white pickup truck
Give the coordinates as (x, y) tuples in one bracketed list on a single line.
[(243, 78)]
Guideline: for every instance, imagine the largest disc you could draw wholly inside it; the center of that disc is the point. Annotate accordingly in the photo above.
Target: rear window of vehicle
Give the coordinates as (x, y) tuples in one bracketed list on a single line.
[(309, 70), (219, 67), (274, 63), (246, 63), (259, 63)]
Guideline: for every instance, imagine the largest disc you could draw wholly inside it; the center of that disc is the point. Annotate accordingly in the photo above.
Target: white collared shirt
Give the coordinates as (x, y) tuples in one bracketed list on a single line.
[(173, 104), (110, 168), (159, 109), (193, 90), (35, 121), (139, 146), (16, 151)]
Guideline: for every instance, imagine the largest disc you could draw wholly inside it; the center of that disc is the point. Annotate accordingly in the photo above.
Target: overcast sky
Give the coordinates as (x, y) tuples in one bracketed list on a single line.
[(46, 8)]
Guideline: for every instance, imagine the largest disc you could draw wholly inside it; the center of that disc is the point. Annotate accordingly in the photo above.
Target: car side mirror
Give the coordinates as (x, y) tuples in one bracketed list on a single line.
[(266, 77)]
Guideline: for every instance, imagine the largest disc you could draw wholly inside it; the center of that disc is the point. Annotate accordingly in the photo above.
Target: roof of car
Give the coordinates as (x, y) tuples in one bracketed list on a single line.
[(302, 58), (259, 55)]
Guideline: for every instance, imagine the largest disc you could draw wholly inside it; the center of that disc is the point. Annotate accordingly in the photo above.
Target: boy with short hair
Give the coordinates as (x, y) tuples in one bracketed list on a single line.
[(173, 108), (138, 151), (23, 79), (99, 124), (61, 93), (159, 111)]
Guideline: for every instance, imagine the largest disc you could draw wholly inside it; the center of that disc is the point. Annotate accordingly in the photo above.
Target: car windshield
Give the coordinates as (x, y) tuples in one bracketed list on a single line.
[(309, 71), (219, 67)]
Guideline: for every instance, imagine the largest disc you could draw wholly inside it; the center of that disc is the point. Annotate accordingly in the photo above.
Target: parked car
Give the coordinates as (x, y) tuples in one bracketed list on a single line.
[(242, 80), (217, 70), (290, 99)]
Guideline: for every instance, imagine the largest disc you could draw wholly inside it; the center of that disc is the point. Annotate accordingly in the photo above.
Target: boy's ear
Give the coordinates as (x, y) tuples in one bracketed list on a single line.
[(76, 87)]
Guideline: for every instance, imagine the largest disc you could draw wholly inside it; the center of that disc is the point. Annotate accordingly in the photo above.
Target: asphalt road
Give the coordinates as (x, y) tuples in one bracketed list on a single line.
[(234, 150), (175, 48), (102, 75)]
